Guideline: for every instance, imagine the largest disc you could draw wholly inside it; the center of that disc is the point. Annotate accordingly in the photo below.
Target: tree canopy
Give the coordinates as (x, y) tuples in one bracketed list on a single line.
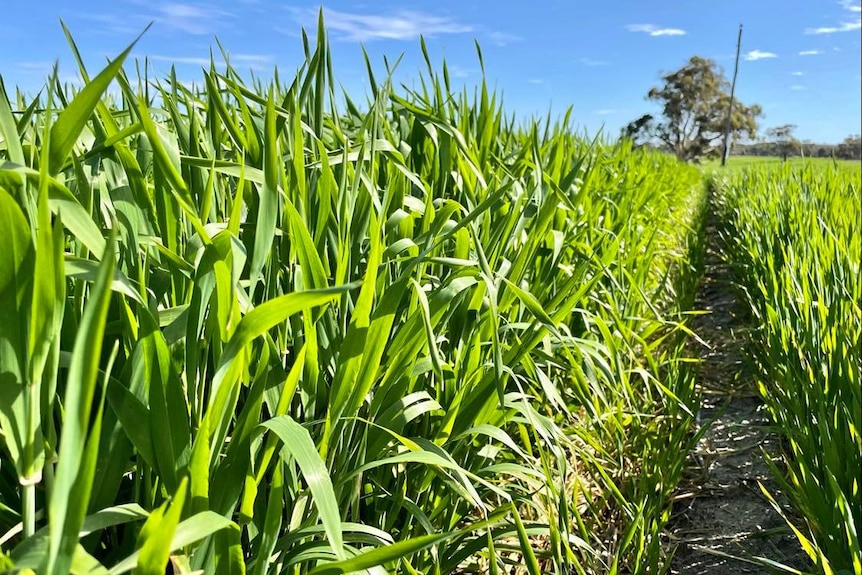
[(785, 142), (694, 102), (850, 148)]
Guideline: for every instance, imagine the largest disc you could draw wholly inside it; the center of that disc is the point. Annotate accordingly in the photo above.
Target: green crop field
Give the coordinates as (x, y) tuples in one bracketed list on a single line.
[(795, 237), (260, 327), (796, 161)]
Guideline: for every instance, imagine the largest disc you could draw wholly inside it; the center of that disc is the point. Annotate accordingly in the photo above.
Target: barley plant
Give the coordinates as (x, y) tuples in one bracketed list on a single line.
[(794, 236), (262, 327)]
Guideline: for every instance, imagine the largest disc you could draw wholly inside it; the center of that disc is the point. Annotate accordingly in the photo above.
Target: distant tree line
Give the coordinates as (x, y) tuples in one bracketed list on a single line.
[(849, 149)]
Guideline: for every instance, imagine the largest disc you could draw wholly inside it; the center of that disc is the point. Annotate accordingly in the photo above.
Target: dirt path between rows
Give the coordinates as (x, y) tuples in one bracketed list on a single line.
[(719, 509)]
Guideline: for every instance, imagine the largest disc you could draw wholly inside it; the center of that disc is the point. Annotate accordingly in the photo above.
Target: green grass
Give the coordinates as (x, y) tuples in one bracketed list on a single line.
[(247, 330), (794, 237), (742, 162)]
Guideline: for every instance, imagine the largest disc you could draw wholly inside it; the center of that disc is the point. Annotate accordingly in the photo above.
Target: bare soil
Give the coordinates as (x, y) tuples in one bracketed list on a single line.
[(719, 510)]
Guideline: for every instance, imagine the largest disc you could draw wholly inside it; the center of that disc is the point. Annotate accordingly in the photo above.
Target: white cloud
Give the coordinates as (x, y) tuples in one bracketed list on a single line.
[(605, 111), (114, 24), (45, 69), (668, 32), (400, 25), (456, 71), (851, 5), (654, 30), (41, 67), (843, 27), (251, 57), (798, 73), (846, 26), (810, 53), (592, 63), (797, 87), (189, 18), (535, 81), (181, 60), (255, 61), (503, 39), (759, 55)]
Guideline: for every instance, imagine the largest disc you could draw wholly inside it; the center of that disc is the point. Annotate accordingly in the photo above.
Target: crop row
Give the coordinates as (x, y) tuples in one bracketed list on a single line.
[(793, 236), (262, 328)]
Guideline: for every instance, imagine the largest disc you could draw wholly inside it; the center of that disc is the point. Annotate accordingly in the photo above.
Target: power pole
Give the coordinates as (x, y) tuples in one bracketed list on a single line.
[(726, 153)]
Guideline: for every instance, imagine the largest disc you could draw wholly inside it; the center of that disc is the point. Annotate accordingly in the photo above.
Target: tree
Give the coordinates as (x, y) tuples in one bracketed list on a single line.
[(783, 140), (850, 148), (694, 102)]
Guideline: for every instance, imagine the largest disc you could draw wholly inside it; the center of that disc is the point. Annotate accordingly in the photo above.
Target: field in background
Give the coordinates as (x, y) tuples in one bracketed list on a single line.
[(740, 162)]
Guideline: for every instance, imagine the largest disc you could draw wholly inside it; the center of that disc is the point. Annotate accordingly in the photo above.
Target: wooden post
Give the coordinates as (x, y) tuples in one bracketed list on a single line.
[(727, 125)]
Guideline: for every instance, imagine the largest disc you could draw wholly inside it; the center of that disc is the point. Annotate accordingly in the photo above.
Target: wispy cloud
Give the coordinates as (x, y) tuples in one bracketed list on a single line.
[(44, 69), (535, 81), (41, 67), (798, 73), (810, 52), (590, 62), (503, 38), (254, 61), (399, 25), (851, 5), (181, 60), (654, 30), (605, 112), (114, 24), (759, 55), (188, 18), (798, 87), (843, 27), (456, 71), (251, 58), (853, 25)]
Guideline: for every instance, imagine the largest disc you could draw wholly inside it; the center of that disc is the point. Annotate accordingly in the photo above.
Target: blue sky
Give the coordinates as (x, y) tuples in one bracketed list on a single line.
[(801, 58)]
